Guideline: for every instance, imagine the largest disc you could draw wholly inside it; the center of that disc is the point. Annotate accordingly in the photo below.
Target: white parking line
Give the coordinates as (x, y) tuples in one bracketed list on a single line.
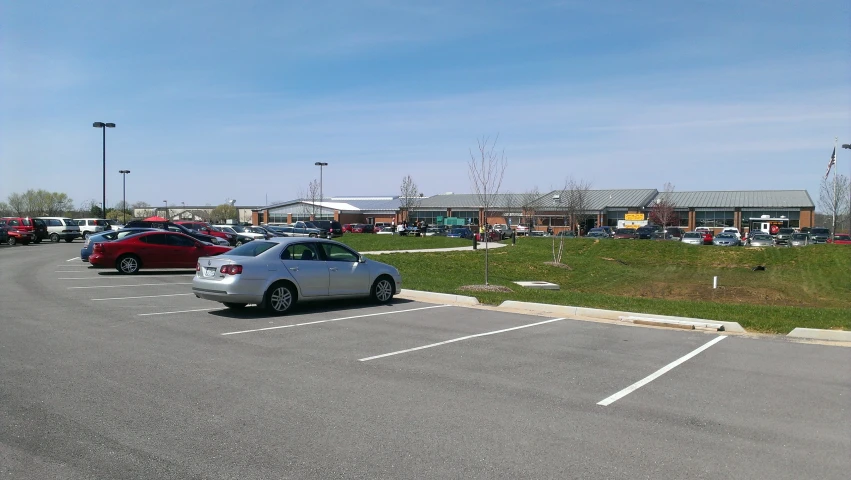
[(658, 373), (142, 296), (72, 259), (335, 319), (177, 311), (131, 285), (458, 339)]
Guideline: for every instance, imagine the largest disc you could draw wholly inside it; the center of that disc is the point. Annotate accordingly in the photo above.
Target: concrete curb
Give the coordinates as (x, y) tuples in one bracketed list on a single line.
[(818, 334), (433, 297), (483, 246), (568, 311)]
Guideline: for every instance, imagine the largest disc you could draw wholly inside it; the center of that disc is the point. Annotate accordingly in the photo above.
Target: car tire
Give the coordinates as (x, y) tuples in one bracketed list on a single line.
[(12, 241), (37, 240), (234, 306), (68, 240), (279, 298), (383, 289), (127, 264), (54, 238), (312, 235)]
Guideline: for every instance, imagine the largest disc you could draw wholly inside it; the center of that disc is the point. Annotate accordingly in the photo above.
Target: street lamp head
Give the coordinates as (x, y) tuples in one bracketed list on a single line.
[(124, 171), (846, 145), (321, 164), (103, 125)]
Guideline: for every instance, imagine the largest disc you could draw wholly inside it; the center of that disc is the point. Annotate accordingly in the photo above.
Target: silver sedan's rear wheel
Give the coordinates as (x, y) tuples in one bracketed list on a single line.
[(383, 289), (54, 238), (128, 264), (279, 298)]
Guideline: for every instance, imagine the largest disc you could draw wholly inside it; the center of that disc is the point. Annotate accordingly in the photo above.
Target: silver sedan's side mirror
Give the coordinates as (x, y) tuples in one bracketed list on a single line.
[(361, 259)]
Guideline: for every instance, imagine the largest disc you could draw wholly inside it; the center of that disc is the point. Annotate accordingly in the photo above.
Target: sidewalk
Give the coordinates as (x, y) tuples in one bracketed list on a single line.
[(482, 245)]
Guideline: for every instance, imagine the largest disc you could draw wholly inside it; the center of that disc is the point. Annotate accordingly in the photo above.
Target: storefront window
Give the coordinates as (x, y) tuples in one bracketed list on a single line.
[(714, 218)]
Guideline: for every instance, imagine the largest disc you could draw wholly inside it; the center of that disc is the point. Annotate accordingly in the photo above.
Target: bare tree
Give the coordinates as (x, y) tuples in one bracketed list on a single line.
[(664, 211), (834, 200), (409, 196), (5, 209), (529, 205), (573, 202), (309, 199), (486, 169)]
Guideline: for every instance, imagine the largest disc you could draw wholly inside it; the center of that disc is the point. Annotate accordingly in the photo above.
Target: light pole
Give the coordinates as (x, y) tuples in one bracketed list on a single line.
[(103, 126), (166, 209), (320, 165), (124, 192)]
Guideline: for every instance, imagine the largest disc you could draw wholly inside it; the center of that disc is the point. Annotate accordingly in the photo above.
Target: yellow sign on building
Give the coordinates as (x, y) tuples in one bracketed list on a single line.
[(633, 216)]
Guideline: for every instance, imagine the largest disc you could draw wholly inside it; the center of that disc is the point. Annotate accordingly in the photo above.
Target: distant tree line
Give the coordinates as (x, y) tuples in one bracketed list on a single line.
[(41, 203)]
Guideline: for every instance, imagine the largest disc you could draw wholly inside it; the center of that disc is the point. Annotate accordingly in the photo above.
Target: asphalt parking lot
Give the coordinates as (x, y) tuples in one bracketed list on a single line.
[(112, 376)]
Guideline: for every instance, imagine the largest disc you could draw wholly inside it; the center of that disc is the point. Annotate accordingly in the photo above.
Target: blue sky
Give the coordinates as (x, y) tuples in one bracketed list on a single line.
[(226, 99)]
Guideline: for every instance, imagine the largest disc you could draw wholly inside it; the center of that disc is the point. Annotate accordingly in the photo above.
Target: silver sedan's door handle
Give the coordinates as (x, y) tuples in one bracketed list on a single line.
[(333, 269), (294, 269)]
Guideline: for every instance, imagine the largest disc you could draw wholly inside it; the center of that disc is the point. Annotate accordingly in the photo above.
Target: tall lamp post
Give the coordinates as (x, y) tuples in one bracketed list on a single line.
[(103, 126), (320, 165), (166, 210), (124, 192)]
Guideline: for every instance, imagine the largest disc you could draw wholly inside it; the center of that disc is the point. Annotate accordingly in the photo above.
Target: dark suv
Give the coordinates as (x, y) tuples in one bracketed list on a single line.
[(173, 227), (329, 228), (646, 232)]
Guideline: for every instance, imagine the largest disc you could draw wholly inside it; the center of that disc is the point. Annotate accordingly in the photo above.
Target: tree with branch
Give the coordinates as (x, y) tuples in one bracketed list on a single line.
[(573, 202), (223, 213), (486, 170), (409, 196), (834, 200), (663, 212), (529, 206)]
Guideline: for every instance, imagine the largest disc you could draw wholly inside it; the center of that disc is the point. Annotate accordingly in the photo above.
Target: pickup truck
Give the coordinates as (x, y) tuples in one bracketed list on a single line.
[(305, 229)]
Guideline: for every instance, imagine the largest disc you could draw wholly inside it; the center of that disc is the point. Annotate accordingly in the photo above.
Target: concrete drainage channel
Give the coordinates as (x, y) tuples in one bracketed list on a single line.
[(614, 315)]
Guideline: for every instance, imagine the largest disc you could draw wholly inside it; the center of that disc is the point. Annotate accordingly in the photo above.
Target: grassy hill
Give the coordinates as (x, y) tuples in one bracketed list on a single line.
[(800, 287)]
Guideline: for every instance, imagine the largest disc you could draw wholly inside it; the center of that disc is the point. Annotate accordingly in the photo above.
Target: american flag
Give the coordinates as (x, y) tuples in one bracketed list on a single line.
[(831, 163)]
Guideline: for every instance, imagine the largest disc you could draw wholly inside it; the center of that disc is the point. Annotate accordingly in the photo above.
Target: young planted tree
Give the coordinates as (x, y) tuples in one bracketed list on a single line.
[(834, 199), (486, 170), (664, 210), (573, 204), (529, 206), (409, 196)]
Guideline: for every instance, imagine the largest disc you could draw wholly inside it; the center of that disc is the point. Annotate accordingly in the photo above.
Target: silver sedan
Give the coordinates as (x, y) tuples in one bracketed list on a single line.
[(276, 273), (762, 240)]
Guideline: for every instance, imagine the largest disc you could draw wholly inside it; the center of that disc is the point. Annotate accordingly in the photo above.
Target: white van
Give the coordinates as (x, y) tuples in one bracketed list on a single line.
[(89, 226), (61, 228)]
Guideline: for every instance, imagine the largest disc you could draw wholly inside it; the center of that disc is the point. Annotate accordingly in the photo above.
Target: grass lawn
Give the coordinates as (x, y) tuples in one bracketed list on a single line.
[(800, 287)]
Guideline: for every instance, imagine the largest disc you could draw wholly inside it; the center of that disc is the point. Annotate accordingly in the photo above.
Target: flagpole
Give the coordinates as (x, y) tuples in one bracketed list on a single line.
[(835, 203)]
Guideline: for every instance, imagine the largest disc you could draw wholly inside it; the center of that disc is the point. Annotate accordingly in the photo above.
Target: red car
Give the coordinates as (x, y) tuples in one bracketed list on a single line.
[(362, 228), (347, 227), (18, 236), (24, 225), (156, 249), (206, 229), (840, 239)]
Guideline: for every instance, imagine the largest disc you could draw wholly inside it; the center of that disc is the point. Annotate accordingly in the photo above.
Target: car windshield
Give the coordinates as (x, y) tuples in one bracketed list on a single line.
[(725, 235), (250, 249), (820, 231), (238, 228), (799, 236), (842, 237), (692, 235), (786, 230), (625, 231), (761, 237)]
